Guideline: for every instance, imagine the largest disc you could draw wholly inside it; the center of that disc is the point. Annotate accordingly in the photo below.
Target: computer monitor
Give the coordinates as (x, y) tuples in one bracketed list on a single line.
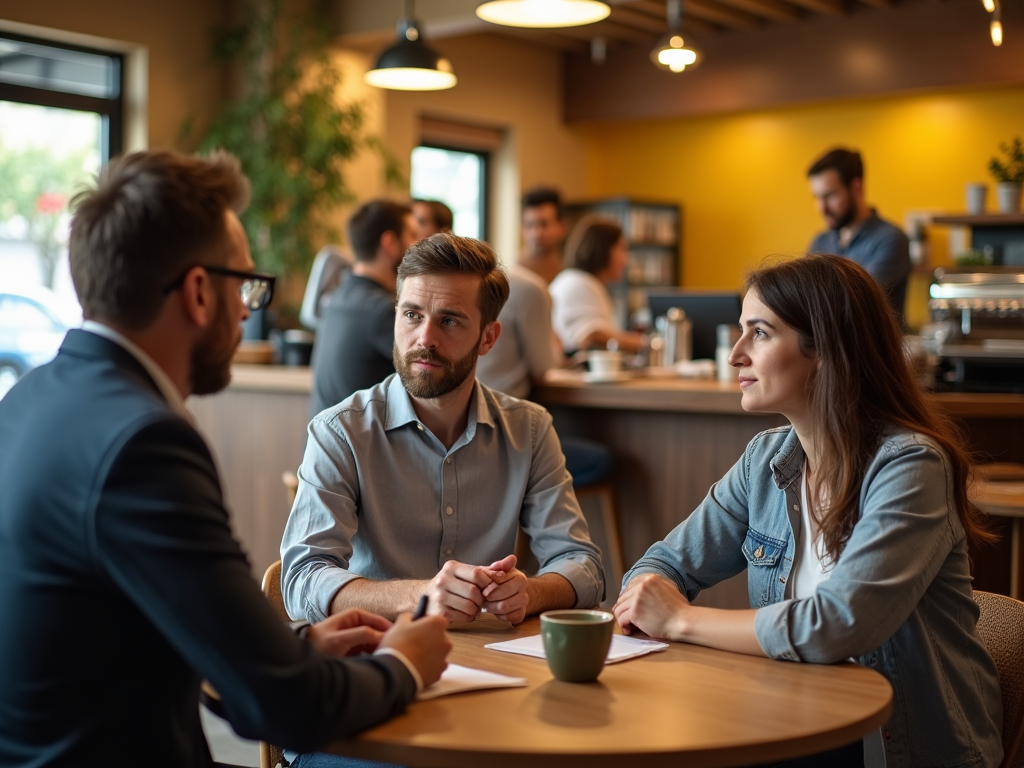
[(706, 310)]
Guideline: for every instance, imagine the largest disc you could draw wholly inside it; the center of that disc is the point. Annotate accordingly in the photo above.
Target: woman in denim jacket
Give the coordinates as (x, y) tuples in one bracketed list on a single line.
[(852, 523)]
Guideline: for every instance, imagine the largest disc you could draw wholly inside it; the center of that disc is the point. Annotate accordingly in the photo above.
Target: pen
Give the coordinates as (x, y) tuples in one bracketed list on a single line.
[(421, 608)]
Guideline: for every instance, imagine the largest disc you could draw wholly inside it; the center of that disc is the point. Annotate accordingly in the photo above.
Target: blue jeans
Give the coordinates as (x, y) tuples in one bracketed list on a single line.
[(320, 760), (587, 461)]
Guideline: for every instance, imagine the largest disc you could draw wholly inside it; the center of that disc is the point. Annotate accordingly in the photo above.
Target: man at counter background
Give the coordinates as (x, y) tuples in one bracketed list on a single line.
[(543, 232), (357, 330), (421, 483), (854, 228), (123, 583)]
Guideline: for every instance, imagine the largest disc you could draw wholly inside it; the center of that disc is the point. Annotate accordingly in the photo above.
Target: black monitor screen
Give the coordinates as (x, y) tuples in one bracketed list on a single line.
[(706, 310)]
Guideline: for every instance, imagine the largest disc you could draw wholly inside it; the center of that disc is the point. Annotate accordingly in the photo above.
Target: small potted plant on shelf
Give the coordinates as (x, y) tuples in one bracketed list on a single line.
[(1008, 170)]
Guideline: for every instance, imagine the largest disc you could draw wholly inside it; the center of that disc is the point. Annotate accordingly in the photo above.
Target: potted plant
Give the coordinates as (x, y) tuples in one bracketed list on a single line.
[(291, 133), (1008, 171)]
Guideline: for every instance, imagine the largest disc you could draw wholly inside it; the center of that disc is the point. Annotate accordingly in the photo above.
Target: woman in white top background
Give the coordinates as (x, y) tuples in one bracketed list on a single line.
[(583, 315)]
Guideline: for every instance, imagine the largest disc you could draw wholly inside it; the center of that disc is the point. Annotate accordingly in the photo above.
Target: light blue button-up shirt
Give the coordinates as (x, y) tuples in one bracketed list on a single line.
[(380, 497)]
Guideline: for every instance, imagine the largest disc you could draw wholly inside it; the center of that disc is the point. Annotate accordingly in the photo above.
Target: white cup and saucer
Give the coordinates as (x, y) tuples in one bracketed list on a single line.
[(605, 367)]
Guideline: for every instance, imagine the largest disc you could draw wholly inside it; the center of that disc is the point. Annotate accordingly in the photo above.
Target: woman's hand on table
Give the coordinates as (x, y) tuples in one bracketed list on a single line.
[(653, 605), (423, 642)]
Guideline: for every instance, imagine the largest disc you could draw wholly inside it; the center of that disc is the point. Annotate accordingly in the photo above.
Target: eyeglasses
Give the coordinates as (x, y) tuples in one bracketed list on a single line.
[(256, 290)]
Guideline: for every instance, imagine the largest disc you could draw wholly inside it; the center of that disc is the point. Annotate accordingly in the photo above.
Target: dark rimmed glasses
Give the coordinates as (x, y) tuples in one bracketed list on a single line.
[(256, 290)]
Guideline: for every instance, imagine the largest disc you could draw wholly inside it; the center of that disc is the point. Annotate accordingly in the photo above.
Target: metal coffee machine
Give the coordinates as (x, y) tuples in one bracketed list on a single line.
[(979, 330)]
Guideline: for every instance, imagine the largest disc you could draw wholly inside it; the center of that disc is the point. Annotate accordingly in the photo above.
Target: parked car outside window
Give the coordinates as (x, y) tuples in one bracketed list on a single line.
[(31, 332)]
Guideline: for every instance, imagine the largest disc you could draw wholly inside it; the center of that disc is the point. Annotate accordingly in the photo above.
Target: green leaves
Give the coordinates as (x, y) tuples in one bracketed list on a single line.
[(1011, 168), (289, 130)]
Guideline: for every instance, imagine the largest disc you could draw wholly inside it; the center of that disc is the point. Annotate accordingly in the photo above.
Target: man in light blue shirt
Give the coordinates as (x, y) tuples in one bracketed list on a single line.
[(419, 485)]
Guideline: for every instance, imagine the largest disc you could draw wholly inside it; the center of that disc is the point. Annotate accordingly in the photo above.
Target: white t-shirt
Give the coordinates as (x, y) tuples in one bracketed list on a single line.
[(581, 305)]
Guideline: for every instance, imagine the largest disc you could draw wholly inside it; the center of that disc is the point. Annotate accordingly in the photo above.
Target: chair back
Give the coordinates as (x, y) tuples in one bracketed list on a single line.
[(1001, 626), (291, 486), (271, 756)]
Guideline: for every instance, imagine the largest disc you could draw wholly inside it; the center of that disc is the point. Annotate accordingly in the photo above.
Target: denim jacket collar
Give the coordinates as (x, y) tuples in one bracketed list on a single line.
[(788, 462)]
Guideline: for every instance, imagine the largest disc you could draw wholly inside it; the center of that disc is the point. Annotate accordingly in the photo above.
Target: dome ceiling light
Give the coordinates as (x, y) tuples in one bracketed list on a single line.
[(410, 64), (543, 13)]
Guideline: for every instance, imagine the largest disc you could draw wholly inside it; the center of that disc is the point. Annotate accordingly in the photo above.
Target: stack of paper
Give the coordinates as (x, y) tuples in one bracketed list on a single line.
[(623, 647), (457, 679)]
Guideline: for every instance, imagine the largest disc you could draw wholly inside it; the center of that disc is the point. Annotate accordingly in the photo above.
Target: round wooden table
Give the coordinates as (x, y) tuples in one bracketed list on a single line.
[(688, 706)]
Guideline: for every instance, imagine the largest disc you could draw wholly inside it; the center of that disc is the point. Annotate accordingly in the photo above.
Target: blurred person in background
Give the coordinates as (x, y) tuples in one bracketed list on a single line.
[(357, 329), (432, 216), (583, 314)]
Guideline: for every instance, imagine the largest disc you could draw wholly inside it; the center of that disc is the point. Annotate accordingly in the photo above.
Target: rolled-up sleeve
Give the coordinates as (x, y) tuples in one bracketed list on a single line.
[(317, 543), (907, 529), (552, 518)]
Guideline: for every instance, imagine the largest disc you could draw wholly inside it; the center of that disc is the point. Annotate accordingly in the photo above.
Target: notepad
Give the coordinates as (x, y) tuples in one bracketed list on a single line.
[(457, 679), (622, 648)]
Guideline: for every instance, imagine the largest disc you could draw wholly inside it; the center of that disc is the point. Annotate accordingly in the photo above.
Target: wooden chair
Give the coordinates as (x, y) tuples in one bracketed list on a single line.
[(271, 756), (1001, 627), (291, 486)]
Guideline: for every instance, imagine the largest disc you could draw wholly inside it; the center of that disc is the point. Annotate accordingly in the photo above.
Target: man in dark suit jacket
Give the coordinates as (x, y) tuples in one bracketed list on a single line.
[(120, 581)]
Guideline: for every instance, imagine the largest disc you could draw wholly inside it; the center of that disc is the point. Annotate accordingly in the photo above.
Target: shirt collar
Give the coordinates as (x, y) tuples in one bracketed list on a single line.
[(401, 412), (160, 378), (787, 462)]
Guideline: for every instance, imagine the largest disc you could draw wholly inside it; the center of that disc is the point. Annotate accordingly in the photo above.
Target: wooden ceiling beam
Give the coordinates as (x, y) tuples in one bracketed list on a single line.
[(719, 14), (609, 31), (656, 9), (639, 20), (771, 9), (883, 4), (831, 7)]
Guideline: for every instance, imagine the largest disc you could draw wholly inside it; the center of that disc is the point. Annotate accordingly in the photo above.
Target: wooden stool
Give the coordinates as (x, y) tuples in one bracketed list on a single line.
[(604, 493), (1000, 491)]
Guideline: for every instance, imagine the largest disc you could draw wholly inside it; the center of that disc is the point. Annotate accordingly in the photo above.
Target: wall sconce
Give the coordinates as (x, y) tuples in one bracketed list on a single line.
[(543, 13), (410, 64), (672, 52)]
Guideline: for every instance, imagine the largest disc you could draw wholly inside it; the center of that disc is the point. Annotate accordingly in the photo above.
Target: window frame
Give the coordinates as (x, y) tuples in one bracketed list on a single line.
[(110, 110), (485, 179)]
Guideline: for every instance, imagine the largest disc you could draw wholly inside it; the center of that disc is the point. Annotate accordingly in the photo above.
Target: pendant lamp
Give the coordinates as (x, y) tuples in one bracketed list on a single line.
[(672, 52), (543, 13), (410, 64)]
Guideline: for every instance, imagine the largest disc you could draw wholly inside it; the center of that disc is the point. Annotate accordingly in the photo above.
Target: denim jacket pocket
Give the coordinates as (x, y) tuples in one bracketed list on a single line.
[(763, 555)]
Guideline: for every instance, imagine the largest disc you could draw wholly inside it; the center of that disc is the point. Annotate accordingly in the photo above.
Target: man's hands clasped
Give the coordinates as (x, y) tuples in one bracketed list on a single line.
[(459, 591)]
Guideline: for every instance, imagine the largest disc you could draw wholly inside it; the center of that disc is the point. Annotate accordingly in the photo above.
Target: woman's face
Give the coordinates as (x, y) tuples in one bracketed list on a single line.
[(618, 258), (773, 372)]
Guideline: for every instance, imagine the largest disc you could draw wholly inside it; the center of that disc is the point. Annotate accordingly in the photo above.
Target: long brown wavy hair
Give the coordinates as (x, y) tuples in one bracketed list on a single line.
[(864, 384)]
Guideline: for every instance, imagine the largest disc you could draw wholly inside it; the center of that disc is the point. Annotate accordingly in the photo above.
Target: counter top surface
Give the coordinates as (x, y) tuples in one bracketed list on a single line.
[(637, 392)]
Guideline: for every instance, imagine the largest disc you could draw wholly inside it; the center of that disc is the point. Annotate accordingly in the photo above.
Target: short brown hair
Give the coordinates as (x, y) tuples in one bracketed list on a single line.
[(591, 242), (445, 253), (369, 223), (145, 222), (440, 214), (845, 162)]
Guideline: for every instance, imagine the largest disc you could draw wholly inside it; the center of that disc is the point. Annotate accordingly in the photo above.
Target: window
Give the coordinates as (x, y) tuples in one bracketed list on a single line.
[(61, 117), (458, 178)]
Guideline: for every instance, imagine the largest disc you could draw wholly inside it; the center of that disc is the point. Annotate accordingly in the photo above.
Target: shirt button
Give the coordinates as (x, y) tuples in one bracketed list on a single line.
[(449, 510), (448, 460), (419, 427), (887, 734), (447, 551), (795, 507)]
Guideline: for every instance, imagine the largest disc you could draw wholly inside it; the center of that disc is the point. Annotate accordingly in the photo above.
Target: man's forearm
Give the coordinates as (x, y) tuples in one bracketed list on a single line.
[(549, 592), (385, 598)]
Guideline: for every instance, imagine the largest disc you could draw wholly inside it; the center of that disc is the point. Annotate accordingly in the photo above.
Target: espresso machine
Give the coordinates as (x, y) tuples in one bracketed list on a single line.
[(978, 325)]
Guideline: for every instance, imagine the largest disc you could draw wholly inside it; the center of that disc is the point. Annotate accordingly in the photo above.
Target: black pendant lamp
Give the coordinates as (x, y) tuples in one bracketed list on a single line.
[(410, 64)]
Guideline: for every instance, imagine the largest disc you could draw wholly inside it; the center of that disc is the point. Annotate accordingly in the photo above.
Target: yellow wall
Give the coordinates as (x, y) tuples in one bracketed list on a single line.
[(740, 177)]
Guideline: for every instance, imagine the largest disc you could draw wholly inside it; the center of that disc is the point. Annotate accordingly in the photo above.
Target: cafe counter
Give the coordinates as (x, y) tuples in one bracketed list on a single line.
[(672, 438)]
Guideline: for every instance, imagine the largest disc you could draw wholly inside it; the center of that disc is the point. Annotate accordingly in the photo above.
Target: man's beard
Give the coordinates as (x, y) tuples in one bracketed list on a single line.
[(211, 356), (844, 218), (429, 385)]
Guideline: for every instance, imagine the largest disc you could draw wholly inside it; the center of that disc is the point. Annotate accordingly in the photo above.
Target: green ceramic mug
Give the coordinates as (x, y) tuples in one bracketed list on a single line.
[(576, 643)]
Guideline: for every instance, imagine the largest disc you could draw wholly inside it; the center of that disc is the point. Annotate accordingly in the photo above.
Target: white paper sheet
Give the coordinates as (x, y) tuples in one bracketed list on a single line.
[(457, 679), (622, 648)]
